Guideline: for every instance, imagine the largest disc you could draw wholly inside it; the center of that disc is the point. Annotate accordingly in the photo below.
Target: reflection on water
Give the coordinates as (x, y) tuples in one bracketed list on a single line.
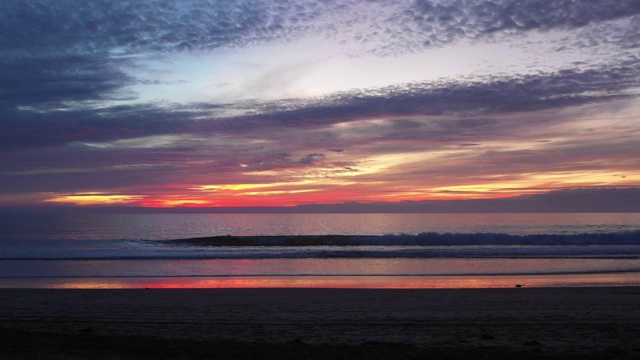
[(314, 267), (354, 282), (109, 251)]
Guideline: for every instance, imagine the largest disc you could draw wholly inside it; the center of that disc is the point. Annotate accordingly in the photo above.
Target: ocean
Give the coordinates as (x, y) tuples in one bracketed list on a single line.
[(319, 250)]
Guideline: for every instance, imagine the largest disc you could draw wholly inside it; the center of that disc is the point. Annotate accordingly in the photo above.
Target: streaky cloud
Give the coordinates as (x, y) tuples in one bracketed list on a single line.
[(566, 200), (494, 95)]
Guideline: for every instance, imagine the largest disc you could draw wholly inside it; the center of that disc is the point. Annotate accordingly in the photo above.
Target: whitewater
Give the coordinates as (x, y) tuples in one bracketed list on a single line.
[(329, 250)]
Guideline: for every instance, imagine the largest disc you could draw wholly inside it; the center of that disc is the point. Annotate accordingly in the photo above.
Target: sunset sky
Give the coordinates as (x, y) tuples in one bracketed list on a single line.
[(158, 103)]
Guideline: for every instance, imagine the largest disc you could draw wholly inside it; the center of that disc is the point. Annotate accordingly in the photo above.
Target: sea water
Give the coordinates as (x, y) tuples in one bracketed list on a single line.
[(382, 251)]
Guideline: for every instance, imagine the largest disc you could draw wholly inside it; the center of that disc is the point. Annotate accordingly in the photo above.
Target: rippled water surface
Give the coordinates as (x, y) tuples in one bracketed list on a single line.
[(434, 250)]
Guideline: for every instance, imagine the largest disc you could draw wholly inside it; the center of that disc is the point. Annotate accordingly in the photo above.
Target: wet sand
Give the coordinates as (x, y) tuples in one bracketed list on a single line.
[(524, 323)]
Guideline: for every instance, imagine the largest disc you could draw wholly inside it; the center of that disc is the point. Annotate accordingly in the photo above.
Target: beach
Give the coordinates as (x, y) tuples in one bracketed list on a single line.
[(320, 323)]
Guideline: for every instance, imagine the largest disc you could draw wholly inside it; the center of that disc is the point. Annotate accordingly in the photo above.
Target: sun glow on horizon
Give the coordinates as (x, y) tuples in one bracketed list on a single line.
[(95, 199)]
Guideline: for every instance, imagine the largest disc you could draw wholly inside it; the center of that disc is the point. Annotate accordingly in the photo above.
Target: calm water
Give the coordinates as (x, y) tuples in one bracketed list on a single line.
[(434, 250), (176, 226)]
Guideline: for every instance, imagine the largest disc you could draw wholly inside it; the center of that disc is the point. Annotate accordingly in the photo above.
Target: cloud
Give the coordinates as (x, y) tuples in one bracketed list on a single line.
[(492, 16), (49, 79), (77, 52), (311, 158), (567, 200), (32, 128), (129, 27), (495, 95), (621, 34), (69, 51), (437, 22), (74, 113)]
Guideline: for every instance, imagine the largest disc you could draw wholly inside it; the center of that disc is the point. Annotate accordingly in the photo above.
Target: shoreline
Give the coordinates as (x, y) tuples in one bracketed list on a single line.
[(589, 322)]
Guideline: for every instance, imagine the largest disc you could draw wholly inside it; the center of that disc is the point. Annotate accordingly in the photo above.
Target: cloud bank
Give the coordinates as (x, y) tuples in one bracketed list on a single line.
[(215, 103)]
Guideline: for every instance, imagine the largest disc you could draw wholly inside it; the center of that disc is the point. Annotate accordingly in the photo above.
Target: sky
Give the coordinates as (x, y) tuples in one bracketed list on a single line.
[(194, 103)]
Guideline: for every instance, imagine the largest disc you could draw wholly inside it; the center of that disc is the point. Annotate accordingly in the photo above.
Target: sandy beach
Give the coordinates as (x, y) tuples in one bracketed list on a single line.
[(320, 323)]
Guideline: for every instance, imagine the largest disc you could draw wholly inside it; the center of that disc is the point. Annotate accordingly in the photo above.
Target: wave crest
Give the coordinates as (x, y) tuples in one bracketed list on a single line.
[(422, 239)]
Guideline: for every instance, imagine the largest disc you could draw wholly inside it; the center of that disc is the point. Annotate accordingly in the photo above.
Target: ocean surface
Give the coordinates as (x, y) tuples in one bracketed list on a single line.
[(319, 250)]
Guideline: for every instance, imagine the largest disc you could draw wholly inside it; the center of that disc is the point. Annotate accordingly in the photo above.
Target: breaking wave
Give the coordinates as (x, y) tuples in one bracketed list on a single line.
[(426, 245), (423, 239)]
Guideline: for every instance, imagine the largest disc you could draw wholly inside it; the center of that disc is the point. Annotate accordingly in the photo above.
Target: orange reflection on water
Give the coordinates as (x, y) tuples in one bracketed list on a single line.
[(352, 282), (89, 285)]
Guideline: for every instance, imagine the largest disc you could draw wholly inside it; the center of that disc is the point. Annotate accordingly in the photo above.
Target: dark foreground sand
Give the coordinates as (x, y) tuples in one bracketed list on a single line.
[(526, 323)]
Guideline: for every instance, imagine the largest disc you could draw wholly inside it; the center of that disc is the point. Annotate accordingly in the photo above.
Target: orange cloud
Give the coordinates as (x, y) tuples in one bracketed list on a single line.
[(95, 199)]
